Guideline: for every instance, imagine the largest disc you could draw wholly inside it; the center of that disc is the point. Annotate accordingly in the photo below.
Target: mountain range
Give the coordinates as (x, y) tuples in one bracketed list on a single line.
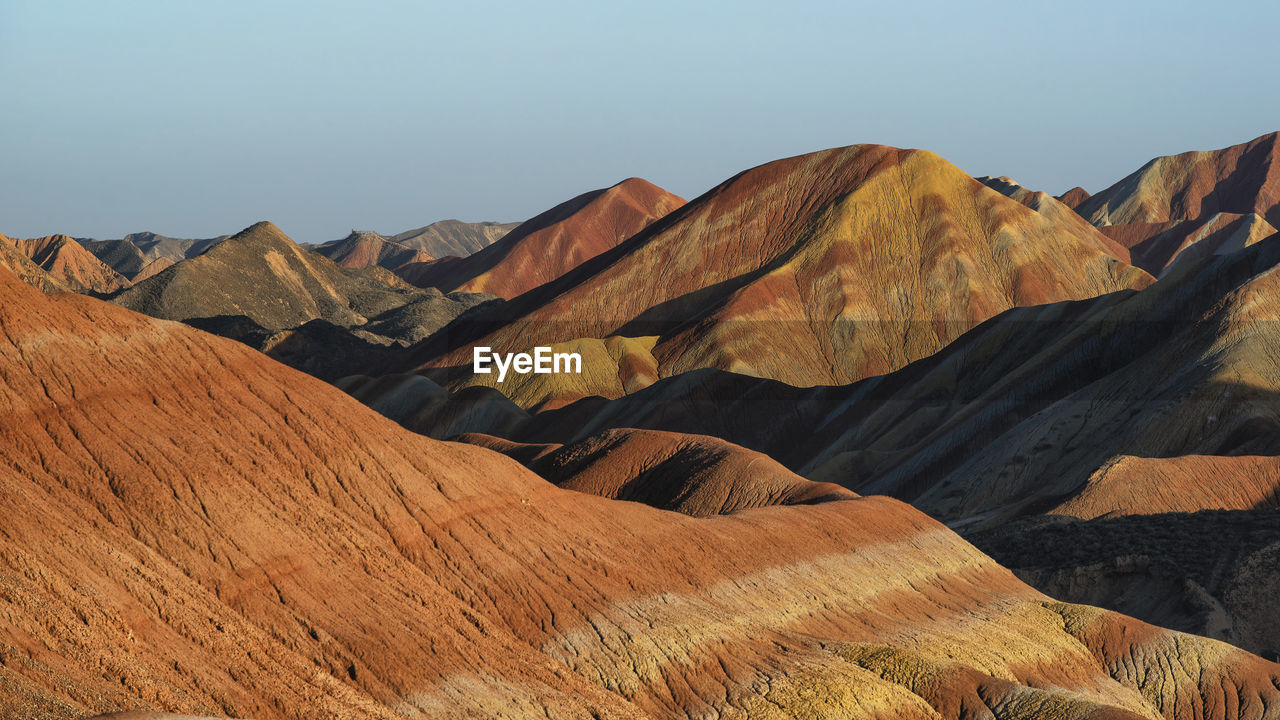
[(856, 435), (819, 269)]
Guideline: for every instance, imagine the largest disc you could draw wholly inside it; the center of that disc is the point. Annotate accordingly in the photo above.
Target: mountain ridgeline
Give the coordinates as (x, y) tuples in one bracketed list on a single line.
[(856, 435)]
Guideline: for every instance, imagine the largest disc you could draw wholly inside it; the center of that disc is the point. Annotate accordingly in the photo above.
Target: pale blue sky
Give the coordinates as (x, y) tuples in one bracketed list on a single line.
[(199, 118)]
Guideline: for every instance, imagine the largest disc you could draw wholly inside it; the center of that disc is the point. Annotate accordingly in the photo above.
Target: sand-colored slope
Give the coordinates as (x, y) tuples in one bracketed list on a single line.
[(1241, 179), (1158, 246), (262, 274), (155, 267), (193, 528), (1056, 210), (17, 262), (70, 264), (1027, 411), (1128, 485), (552, 243), (693, 474), (823, 268), (366, 249), (156, 246), (453, 237), (120, 255)]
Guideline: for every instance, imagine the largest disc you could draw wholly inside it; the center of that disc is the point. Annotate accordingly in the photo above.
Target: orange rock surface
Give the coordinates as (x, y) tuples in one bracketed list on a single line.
[(17, 262), (818, 269), (193, 528), (552, 243), (1175, 201), (1242, 178), (70, 264), (1073, 197), (693, 474)]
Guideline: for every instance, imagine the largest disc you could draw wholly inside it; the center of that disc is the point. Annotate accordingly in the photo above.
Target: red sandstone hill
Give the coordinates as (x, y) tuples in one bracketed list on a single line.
[(552, 243), (1161, 402), (1182, 196), (1159, 246), (1242, 178), (693, 474), (193, 528), (1056, 210), (17, 262), (70, 264), (1073, 197), (818, 269)]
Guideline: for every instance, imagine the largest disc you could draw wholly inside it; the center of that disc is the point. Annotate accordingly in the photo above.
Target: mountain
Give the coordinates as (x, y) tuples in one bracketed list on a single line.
[(552, 243), (70, 264), (1159, 246), (1242, 179), (1127, 403), (17, 262), (1056, 210), (1174, 201), (693, 474), (125, 258), (318, 347), (193, 528), (423, 406), (1073, 197), (120, 255), (1130, 405), (453, 237), (262, 274), (173, 249), (428, 312), (1158, 401), (818, 269), (1212, 573), (330, 351), (155, 267), (366, 249)]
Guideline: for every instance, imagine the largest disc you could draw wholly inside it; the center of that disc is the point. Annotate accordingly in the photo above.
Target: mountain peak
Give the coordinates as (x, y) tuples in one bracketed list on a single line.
[(1239, 179), (553, 242)]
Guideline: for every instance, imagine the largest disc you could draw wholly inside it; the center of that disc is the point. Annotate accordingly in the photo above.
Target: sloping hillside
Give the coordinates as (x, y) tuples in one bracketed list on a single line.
[(196, 529), (453, 237), (819, 269), (552, 243), (70, 264), (262, 274)]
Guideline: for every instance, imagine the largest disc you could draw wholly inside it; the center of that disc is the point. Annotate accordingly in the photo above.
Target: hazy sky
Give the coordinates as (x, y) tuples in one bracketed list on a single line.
[(198, 118)]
